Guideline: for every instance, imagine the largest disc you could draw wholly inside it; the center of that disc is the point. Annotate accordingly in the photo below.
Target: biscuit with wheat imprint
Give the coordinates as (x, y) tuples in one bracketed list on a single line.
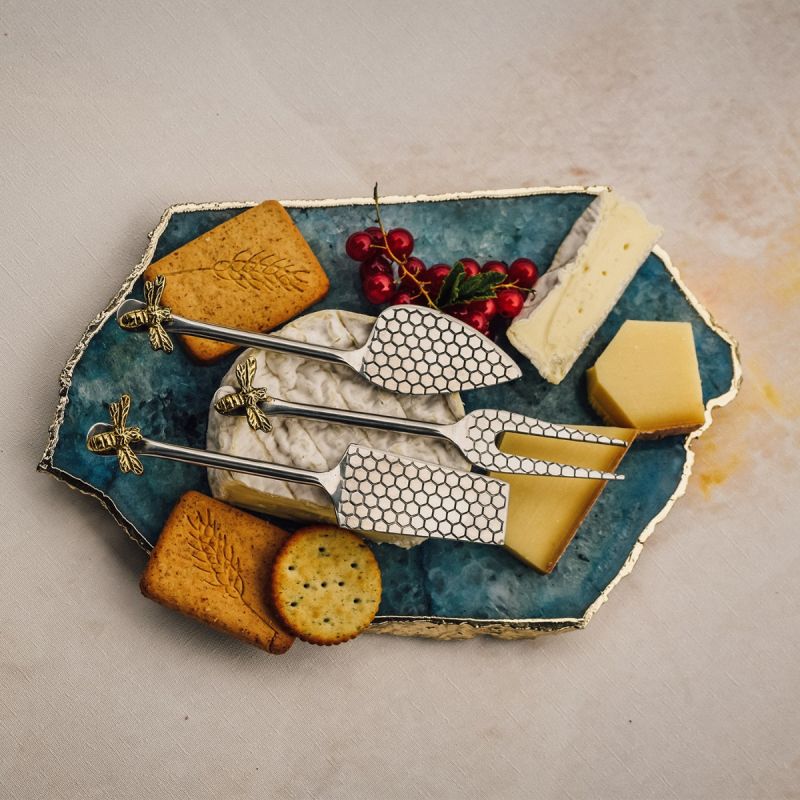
[(214, 562), (253, 272), (326, 584)]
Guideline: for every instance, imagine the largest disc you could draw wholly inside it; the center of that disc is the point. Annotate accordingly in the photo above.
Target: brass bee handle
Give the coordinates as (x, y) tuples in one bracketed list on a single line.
[(247, 397), (152, 316), (119, 438)]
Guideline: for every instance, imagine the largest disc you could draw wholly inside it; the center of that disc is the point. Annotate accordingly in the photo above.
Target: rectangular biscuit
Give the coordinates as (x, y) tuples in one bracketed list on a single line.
[(253, 272), (213, 562)]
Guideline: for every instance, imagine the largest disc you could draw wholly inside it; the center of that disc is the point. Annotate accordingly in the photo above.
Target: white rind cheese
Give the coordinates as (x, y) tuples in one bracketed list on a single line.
[(313, 445), (592, 268)]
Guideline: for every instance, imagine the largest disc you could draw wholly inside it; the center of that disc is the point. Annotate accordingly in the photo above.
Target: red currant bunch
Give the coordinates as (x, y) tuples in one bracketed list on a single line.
[(391, 274), (377, 251)]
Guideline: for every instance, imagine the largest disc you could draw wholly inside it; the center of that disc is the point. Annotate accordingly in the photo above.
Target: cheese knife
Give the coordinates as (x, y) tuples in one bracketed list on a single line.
[(370, 490), (410, 350), (475, 435)]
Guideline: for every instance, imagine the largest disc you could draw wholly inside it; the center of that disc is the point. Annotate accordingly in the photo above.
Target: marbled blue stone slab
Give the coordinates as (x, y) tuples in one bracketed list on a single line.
[(440, 579)]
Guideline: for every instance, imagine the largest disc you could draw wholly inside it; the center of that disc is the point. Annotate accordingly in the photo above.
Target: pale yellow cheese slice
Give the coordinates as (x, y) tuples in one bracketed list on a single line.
[(545, 513), (648, 378), (590, 271)]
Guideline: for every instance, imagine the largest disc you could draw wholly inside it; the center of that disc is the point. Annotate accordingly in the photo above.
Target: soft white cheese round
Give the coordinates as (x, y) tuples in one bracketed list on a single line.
[(313, 445)]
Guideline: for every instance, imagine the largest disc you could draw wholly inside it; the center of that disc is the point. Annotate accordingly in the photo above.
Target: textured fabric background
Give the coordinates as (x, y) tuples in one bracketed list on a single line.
[(686, 684)]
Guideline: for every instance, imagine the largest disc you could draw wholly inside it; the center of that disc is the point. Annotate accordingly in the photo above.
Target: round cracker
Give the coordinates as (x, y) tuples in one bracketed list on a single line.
[(326, 584)]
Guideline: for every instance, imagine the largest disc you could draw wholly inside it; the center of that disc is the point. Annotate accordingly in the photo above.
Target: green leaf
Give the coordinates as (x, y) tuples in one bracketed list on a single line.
[(479, 287), (449, 291), (457, 288)]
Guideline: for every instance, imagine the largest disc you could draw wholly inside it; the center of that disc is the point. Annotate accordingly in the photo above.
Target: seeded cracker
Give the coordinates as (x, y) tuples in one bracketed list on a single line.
[(326, 585)]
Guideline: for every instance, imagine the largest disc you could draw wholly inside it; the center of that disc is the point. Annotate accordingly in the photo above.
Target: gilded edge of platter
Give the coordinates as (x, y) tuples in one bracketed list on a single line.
[(429, 627)]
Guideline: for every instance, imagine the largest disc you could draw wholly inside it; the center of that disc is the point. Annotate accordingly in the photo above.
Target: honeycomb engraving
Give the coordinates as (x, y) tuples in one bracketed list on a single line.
[(385, 493), (484, 426), (421, 351)]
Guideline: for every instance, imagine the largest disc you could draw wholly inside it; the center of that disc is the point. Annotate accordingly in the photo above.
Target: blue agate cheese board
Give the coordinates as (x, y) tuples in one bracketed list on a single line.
[(440, 589)]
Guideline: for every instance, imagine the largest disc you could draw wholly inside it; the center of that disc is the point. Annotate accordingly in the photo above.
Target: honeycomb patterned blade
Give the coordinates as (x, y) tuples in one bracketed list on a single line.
[(385, 493), (415, 350), (484, 426)]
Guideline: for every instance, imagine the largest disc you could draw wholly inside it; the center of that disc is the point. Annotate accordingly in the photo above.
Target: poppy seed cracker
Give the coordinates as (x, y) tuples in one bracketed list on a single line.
[(326, 585)]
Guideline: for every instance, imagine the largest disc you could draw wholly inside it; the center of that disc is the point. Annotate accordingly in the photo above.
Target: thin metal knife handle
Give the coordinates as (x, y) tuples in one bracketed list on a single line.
[(207, 458), (219, 333), (361, 419)]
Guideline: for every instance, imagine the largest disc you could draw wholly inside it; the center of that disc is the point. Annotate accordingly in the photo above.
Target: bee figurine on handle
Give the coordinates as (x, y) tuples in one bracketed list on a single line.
[(247, 397), (153, 317), (120, 438)]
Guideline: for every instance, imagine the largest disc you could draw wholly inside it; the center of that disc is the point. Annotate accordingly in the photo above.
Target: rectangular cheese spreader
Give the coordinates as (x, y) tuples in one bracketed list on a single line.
[(371, 490)]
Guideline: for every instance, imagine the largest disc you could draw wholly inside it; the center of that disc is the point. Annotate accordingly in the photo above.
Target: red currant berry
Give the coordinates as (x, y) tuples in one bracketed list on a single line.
[(509, 302), (378, 288), (486, 307), (495, 266), (401, 242), (471, 266), (402, 299), (477, 320), (413, 266), (458, 311), (523, 272), (375, 234), (408, 285), (435, 276), (375, 265), (358, 245)]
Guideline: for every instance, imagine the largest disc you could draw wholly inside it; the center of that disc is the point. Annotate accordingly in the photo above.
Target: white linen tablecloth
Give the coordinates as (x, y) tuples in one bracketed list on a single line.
[(686, 684)]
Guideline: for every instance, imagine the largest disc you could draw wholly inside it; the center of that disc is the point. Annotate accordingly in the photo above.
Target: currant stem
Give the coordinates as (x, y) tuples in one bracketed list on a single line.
[(400, 264), (514, 286), (406, 274)]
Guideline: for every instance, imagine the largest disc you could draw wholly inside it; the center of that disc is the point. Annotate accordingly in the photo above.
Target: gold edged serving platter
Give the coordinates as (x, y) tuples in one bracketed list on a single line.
[(439, 590)]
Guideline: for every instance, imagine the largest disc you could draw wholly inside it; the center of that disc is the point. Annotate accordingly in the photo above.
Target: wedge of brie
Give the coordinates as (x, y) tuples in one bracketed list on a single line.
[(315, 445), (591, 269)]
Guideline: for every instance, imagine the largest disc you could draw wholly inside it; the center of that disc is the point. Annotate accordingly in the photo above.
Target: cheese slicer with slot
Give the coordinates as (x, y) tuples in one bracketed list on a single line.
[(475, 435), (410, 350), (370, 490)]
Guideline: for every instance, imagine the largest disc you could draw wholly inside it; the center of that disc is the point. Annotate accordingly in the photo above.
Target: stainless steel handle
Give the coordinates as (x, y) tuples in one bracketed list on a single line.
[(207, 458), (206, 330), (361, 419)]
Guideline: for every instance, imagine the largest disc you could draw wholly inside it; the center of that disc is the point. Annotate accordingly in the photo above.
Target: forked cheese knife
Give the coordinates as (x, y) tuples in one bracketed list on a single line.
[(371, 490), (410, 350), (475, 435)]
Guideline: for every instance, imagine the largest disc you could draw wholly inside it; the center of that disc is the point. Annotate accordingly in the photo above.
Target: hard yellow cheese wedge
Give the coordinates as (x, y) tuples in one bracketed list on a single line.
[(648, 379), (544, 513)]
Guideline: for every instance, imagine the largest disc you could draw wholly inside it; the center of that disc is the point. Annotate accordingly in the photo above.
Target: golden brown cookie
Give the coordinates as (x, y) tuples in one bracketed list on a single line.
[(326, 584), (214, 562), (253, 272)]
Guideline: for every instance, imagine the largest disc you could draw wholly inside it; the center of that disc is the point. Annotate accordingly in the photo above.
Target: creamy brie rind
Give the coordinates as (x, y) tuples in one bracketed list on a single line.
[(590, 271), (319, 446)]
